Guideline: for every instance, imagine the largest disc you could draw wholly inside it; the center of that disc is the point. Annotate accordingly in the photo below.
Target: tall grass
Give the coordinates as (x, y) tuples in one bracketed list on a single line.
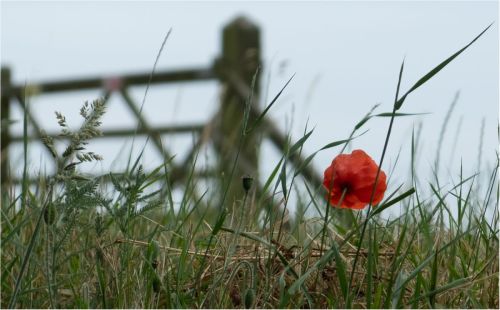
[(77, 242)]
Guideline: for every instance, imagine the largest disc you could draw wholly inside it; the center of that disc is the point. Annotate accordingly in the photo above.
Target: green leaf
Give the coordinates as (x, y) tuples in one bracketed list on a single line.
[(299, 143), (438, 68), (308, 159), (261, 116), (283, 180), (321, 262), (339, 142), (426, 261), (272, 176), (397, 294), (390, 114), (440, 289), (220, 222), (392, 202)]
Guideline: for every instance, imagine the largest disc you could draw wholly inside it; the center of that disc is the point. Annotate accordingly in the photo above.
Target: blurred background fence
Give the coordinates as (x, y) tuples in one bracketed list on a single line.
[(237, 69)]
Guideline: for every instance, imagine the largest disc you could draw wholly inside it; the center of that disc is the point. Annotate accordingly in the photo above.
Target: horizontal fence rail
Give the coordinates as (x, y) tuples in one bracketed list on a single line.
[(236, 70), (111, 82), (124, 132)]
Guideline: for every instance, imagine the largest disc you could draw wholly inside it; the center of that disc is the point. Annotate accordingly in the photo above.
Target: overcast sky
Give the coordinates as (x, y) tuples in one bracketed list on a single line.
[(346, 57)]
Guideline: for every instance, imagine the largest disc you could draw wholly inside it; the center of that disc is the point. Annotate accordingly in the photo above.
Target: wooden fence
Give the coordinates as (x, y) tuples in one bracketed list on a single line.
[(234, 69)]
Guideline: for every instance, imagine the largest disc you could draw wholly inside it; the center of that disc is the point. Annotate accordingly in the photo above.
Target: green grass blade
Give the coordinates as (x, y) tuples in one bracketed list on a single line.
[(300, 143), (261, 116), (438, 68), (392, 202)]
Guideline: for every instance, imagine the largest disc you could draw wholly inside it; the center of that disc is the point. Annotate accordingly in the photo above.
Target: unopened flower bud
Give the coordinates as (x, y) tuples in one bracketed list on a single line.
[(247, 183)]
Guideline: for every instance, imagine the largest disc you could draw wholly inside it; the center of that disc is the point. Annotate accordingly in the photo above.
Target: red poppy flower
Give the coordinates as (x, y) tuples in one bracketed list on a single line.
[(356, 174)]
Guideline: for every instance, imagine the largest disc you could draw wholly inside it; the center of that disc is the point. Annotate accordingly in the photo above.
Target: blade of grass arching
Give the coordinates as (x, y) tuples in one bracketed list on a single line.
[(392, 202), (307, 161), (139, 124), (261, 116), (342, 142), (272, 176), (438, 68), (298, 145), (365, 119), (395, 114), (388, 197)]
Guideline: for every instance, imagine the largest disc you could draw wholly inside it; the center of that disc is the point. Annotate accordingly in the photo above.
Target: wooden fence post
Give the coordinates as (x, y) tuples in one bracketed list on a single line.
[(5, 112), (240, 56)]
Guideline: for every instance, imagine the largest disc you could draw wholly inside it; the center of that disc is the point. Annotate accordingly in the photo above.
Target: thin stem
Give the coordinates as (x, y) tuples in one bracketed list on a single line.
[(365, 224)]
